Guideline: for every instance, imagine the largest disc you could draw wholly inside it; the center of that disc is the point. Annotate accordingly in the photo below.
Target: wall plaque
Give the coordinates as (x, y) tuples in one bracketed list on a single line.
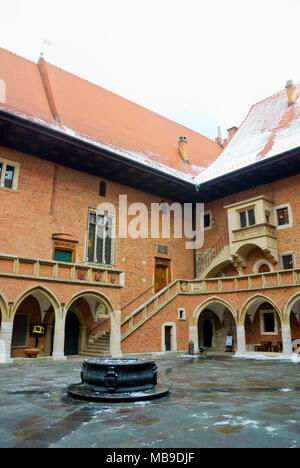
[(162, 249)]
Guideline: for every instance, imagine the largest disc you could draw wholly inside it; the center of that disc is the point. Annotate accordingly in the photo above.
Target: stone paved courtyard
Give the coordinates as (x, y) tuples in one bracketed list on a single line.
[(219, 401)]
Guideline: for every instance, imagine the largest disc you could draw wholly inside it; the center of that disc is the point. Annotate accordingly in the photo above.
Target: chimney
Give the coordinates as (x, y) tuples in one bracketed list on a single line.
[(183, 149), (291, 93), (231, 132)]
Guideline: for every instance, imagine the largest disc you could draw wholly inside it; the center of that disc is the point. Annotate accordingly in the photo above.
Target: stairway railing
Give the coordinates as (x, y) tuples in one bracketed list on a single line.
[(137, 297), (214, 251), (90, 330), (151, 307)]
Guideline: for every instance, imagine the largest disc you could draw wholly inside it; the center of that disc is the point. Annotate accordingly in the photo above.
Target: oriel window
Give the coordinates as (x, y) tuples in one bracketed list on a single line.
[(247, 218), (243, 219), (100, 242)]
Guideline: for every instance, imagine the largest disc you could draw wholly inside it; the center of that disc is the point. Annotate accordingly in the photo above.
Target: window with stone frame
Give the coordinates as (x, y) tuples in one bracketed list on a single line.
[(269, 322), (283, 216), (287, 262), (9, 173), (101, 237), (247, 217)]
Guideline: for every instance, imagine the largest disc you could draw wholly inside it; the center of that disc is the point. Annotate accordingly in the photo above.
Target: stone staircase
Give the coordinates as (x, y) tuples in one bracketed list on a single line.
[(151, 307), (100, 347), (207, 259)]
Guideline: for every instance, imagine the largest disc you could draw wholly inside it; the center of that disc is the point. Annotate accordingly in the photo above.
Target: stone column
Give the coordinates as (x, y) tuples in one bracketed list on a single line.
[(82, 337), (59, 337), (286, 338), (193, 333), (48, 340), (115, 334), (5, 341), (241, 339)]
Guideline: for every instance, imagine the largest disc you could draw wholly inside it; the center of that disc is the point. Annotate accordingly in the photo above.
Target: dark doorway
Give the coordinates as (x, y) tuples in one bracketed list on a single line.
[(207, 333), (168, 338), (71, 334)]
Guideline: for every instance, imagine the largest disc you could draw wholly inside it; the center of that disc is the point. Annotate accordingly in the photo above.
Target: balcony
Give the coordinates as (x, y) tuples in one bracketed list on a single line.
[(262, 235), (251, 224), (53, 271)]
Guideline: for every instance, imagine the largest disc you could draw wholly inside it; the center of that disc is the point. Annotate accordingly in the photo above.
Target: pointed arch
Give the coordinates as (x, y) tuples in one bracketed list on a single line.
[(35, 290), (102, 298), (253, 303), (4, 309), (293, 302), (215, 301)]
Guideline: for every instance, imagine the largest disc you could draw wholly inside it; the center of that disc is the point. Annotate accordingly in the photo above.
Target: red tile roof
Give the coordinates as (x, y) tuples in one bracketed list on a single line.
[(91, 112), (270, 129)]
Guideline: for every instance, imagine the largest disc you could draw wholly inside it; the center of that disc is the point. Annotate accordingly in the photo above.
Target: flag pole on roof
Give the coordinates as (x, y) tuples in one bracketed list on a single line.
[(45, 43)]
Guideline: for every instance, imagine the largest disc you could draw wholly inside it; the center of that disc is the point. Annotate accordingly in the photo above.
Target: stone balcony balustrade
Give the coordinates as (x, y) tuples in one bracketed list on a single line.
[(53, 271)]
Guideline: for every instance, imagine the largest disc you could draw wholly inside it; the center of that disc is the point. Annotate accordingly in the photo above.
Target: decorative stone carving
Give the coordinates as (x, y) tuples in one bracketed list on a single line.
[(81, 275), (98, 276), (113, 278)]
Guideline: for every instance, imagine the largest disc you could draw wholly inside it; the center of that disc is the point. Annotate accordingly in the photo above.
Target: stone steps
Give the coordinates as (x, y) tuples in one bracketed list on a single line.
[(100, 347)]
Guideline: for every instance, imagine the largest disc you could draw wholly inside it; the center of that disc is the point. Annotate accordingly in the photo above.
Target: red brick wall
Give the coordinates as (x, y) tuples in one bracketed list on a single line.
[(281, 192), (149, 336), (45, 205)]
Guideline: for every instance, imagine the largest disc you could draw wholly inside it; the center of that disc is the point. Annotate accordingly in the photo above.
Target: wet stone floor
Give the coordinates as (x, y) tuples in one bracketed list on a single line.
[(215, 402)]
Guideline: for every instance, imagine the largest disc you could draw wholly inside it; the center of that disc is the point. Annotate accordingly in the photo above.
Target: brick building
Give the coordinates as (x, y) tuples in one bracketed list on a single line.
[(74, 157)]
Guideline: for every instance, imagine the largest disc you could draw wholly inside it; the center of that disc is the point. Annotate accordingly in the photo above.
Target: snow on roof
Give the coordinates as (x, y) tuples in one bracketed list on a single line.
[(130, 155), (271, 128), (91, 113)]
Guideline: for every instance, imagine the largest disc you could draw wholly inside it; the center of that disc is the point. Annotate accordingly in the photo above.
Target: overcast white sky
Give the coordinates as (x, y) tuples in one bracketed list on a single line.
[(200, 63)]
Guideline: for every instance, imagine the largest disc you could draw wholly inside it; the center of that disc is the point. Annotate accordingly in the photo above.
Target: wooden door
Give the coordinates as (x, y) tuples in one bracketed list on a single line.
[(161, 280)]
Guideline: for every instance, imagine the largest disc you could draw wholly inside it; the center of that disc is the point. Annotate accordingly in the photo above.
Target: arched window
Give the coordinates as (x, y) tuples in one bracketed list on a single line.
[(264, 268)]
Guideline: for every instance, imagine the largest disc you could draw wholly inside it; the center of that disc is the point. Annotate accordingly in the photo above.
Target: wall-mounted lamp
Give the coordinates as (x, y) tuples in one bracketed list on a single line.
[(213, 221), (197, 187)]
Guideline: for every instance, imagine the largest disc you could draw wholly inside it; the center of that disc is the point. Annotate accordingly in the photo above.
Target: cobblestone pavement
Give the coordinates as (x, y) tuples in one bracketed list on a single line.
[(216, 401)]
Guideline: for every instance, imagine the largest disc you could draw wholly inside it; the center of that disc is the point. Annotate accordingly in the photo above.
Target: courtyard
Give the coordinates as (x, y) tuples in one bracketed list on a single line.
[(215, 402)]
